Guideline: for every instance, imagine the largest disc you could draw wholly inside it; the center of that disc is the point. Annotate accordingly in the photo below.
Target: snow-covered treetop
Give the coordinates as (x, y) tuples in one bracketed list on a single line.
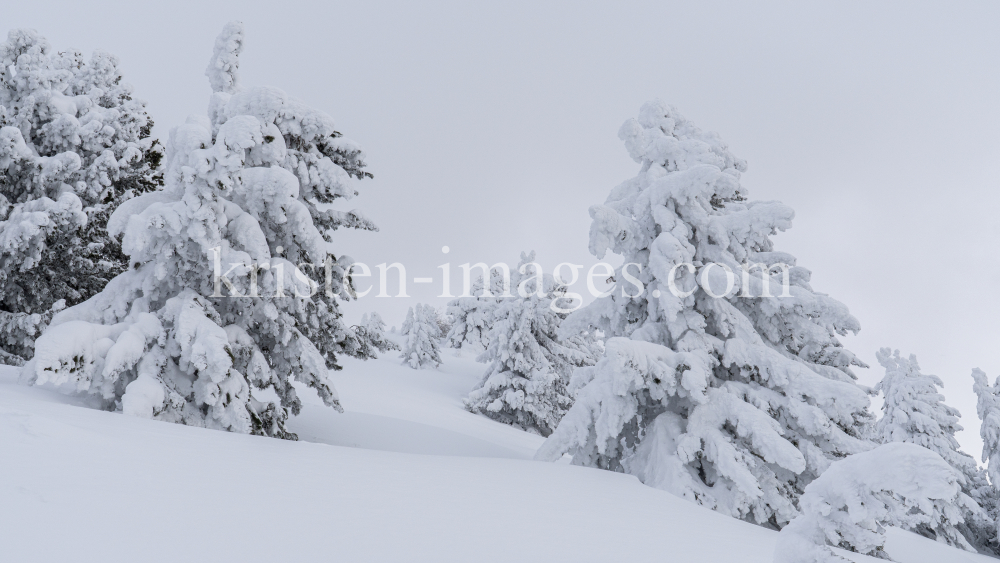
[(664, 141), (75, 120), (223, 69), (325, 163), (687, 205), (662, 134)]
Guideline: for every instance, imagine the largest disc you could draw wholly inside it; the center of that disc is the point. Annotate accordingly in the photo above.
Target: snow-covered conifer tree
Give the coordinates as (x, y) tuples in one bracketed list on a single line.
[(74, 144), (988, 408), (472, 315), (735, 402), (529, 366), (373, 329), (420, 338), (852, 502), (213, 306), (914, 412), (444, 320)]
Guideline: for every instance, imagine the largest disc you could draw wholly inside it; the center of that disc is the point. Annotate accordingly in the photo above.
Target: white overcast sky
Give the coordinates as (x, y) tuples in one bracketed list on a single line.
[(492, 127)]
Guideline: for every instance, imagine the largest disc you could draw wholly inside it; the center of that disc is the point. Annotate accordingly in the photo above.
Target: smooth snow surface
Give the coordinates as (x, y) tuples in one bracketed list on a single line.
[(404, 475)]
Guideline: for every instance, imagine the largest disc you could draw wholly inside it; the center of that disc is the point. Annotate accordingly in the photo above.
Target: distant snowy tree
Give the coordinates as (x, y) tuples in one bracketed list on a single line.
[(245, 194), (472, 315), (914, 412), (373, 329), (529, 366), (74, 144), (851, 503), (988, 408), (736, 402), (420, 338)]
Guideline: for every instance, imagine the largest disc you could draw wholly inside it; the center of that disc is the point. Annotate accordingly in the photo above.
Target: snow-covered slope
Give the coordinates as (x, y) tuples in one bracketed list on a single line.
[(404, 475)]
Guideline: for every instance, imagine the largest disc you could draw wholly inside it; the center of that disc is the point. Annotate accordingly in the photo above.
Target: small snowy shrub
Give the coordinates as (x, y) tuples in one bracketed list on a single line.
[(852, 502)]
